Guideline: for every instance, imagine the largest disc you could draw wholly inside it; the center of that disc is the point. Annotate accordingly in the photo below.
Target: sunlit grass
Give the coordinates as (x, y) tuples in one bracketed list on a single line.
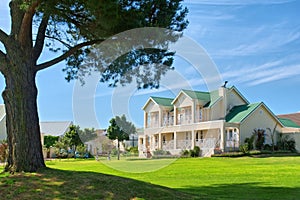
[(192, 178)]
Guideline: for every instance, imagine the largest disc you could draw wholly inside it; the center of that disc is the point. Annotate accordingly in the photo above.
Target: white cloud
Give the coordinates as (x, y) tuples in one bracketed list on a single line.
[(265, 73)]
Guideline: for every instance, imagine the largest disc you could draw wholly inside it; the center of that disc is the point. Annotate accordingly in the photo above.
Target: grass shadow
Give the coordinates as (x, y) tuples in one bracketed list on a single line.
[(60, 184), (243, 191)]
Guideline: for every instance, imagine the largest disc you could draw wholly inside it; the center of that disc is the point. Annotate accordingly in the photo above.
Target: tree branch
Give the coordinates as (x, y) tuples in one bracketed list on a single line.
[(3, 37), (40, 38), (25, 33), (66, 54), (2, 60), (62, 42)]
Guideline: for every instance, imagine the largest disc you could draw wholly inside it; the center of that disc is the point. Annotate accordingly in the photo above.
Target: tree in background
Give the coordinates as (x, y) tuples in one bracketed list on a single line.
[(50, 140), (62, 146), (272, 135), (70, 28), (259, 135), (119, 130), (86, 134), (73, 136)]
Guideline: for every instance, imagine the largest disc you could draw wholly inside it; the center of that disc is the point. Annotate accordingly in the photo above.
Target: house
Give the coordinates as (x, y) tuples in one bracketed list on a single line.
[(295, 117), (58, 128), (2, 122), (292, 128), (99, 145), (219, 120), (55, 128)]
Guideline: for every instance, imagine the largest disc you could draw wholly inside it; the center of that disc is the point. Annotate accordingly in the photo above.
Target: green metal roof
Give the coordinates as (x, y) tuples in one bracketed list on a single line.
[(238, 113), (163, 101), (209, 97), (205, 96), (288, 123)]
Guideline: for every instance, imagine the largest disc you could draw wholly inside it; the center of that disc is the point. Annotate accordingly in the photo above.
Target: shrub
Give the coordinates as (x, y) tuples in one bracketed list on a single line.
[(3, 151), (191, 153), (185, 153), (195, 152), (250, 141), (133, 150), (286, 143), (229, 154), (260, 138), (161, 152), (268, 147), (245, 148)]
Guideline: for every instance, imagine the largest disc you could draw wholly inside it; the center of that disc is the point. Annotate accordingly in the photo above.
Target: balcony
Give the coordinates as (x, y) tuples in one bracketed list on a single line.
[(168, 121), (186, 119)]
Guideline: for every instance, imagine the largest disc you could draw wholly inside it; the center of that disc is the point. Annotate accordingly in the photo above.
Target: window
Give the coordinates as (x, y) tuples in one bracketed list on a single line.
[(172, 136), (197, 137), (201, 135), (230, 134), (200, 114), (164, 139)]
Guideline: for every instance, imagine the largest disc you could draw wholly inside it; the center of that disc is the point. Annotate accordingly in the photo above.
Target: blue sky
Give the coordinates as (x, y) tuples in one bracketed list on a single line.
[(255, 45)]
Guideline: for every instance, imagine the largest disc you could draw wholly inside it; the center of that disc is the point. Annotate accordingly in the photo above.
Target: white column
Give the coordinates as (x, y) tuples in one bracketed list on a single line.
[(222, 138), (193, 139), (175, 139), (160, 118), (145, 142), (159, 141), (175, 116), (145, 119), (193, 112)]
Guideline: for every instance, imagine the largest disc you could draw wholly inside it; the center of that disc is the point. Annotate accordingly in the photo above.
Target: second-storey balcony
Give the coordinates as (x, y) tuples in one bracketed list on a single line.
[(184, 119)]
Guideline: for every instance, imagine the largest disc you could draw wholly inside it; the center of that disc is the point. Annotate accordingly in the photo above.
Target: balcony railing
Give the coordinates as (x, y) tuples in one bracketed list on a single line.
[(232, 143), (184, 144), (168, 121), (184, 120), (206, 143), (167, 145)]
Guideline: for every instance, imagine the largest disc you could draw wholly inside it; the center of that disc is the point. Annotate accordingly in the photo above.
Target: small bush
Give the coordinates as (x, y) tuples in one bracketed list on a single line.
[(244, 148), (268, 147), (185, 153), (250, 142), (229, 154), (161, 152), (133, 150), (3, 151)]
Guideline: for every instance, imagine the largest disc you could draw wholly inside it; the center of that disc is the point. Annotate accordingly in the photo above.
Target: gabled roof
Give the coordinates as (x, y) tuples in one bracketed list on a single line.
[(207, 98), (295, 117), (240, 94), (238, 113), (214, 97), (162, 101), (55, 128), (288, 123)]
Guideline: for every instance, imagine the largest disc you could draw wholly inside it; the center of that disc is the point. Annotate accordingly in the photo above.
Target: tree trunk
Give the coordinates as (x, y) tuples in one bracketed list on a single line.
[(23, 131), (118, 149)]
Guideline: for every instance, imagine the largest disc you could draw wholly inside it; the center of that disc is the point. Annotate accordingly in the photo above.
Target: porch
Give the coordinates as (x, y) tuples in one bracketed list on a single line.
[(175, 142)]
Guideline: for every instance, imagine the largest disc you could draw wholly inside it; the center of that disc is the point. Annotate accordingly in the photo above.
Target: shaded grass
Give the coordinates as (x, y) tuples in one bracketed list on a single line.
[(192, 178), (61, 184)]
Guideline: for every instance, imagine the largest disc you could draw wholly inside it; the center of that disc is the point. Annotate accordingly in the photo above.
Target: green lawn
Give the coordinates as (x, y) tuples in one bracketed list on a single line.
[(192, 178)]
